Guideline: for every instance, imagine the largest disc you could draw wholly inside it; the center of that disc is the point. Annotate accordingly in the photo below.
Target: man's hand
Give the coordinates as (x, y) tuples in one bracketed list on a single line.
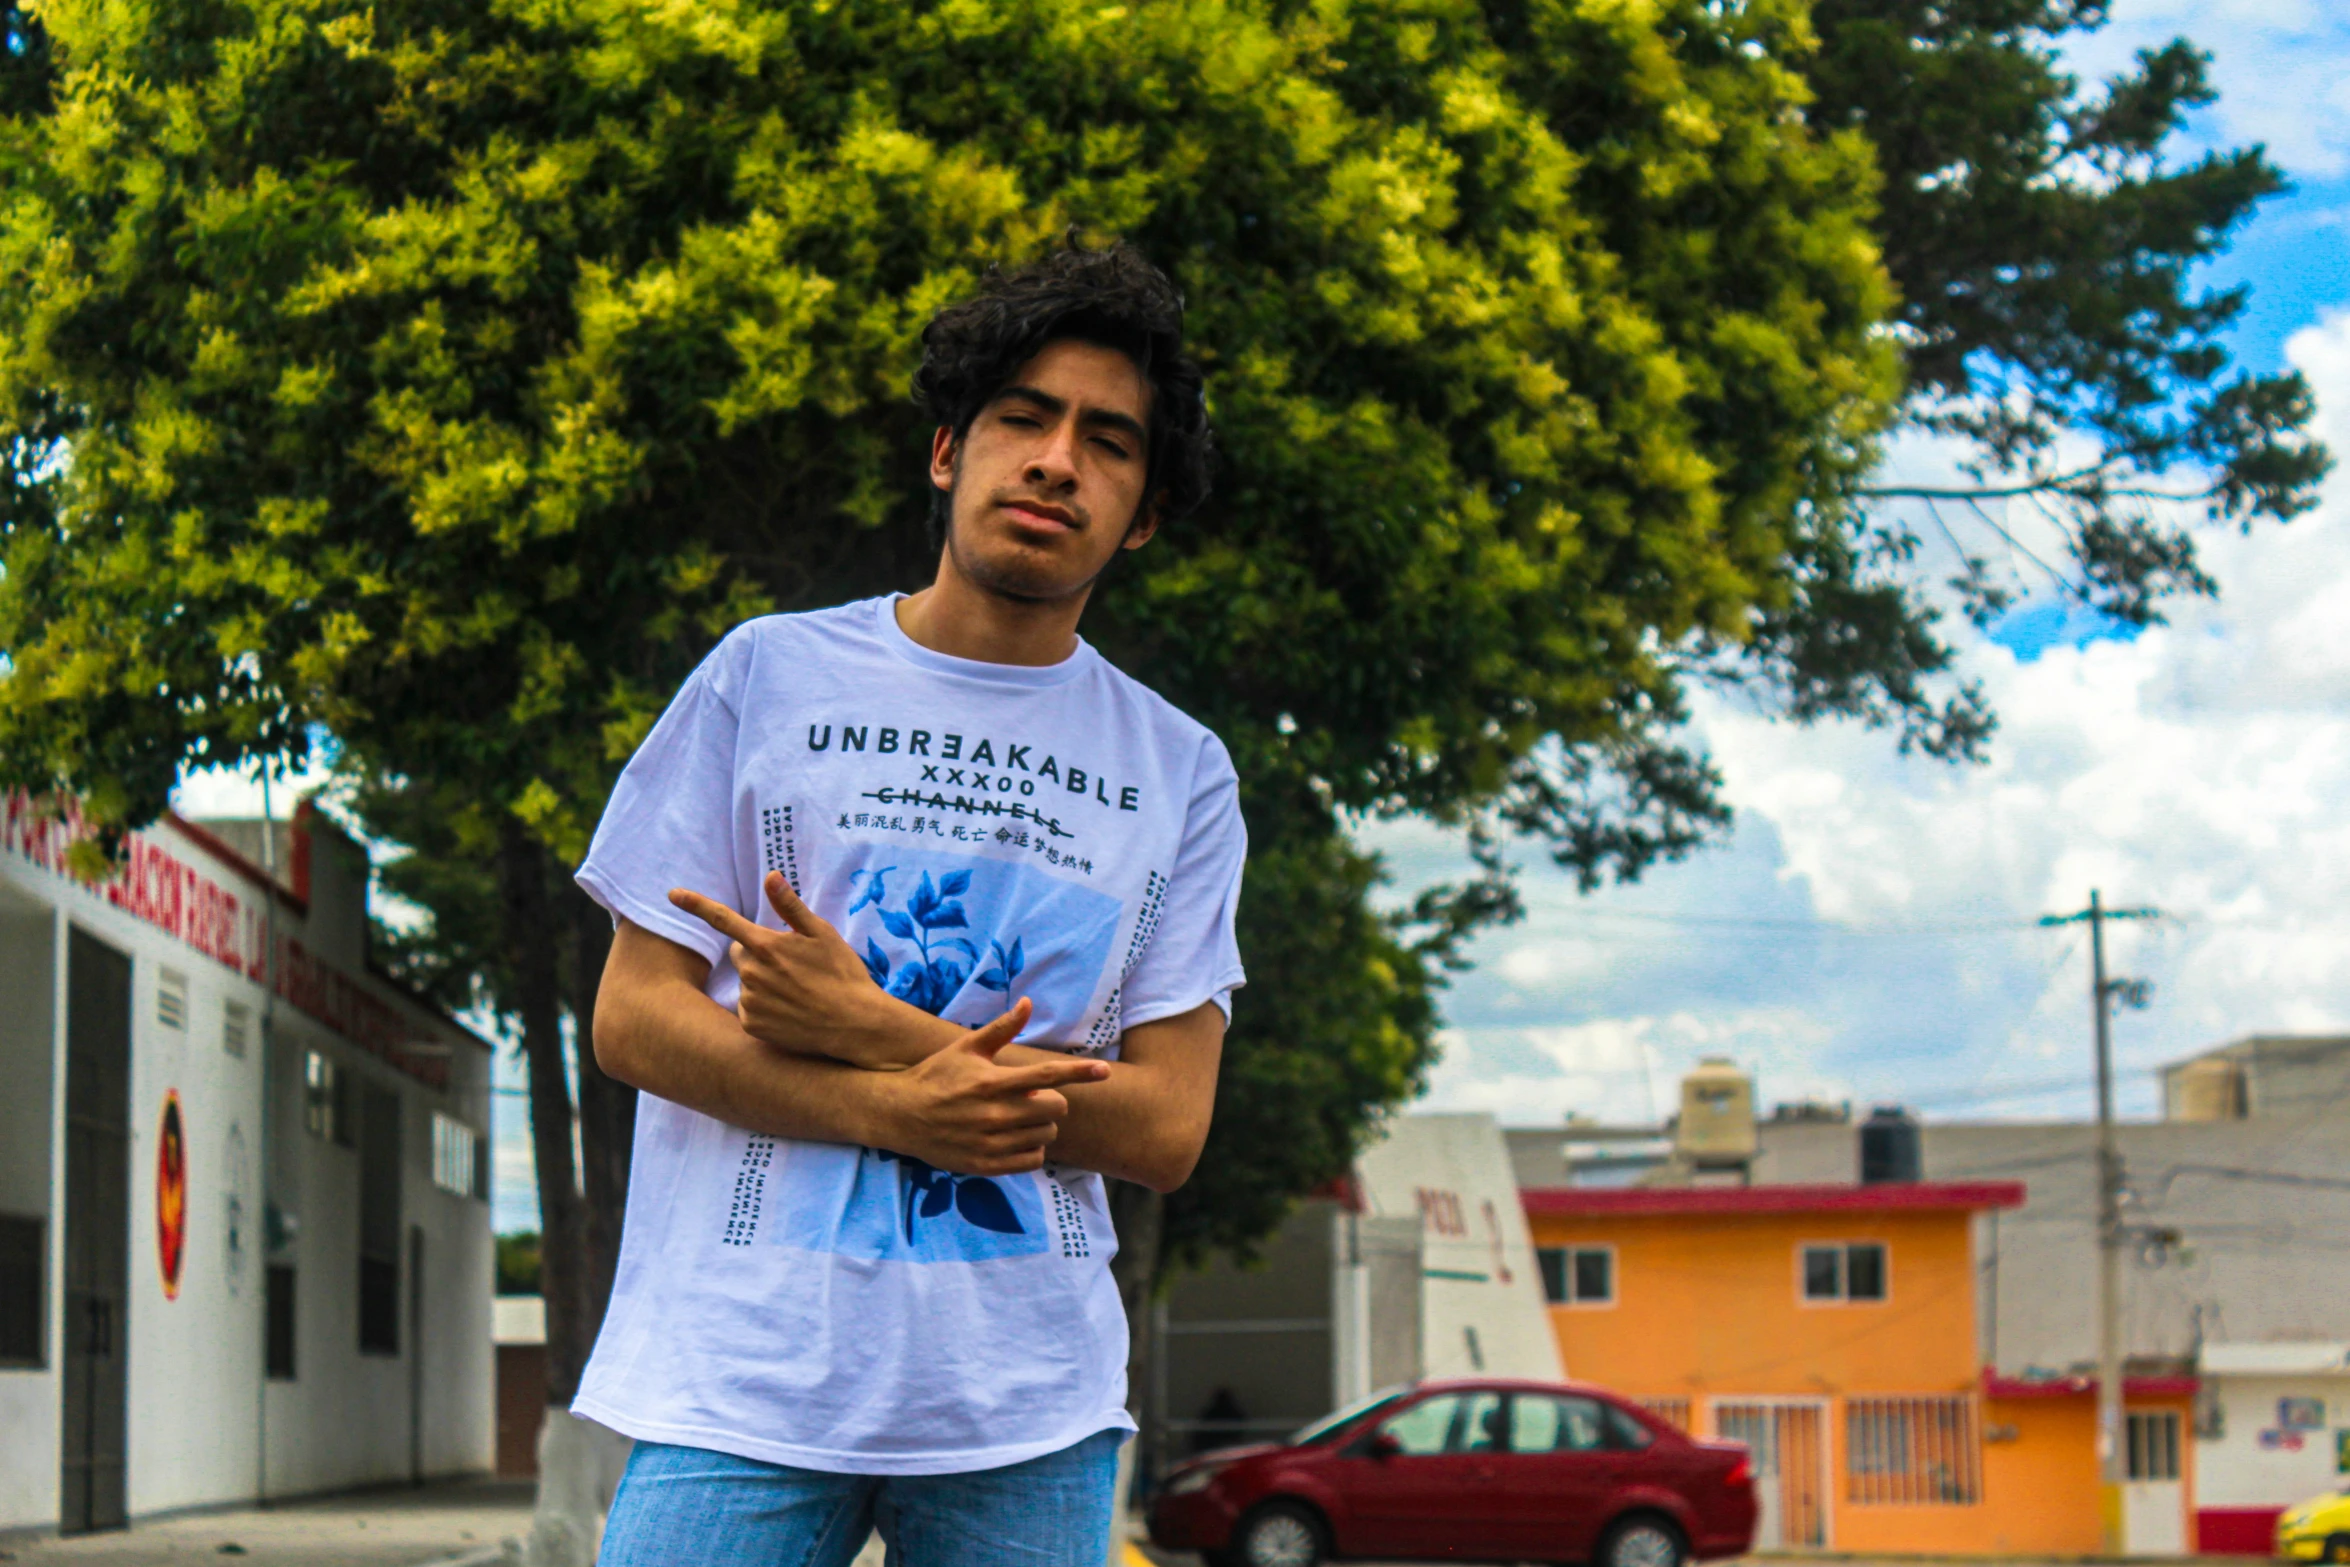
[(805, 989), (963, 1110)]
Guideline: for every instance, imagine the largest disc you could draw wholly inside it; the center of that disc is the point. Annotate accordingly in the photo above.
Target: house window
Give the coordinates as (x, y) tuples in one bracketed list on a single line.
[(279, 1348), (1578, 1275), (326, 1100), (2154, 1445), (379, 1223), (1911, 1451), (171, 999), (236, 1027), (23, 1302), (1852, 1271), (1672, 1410), (455, 1168)]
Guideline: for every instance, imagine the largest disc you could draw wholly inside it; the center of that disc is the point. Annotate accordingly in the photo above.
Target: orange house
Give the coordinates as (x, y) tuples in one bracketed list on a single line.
[(1833, 1330)]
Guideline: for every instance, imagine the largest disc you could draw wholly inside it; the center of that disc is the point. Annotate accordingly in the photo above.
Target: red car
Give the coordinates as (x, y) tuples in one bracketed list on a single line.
[(1466, 1470)]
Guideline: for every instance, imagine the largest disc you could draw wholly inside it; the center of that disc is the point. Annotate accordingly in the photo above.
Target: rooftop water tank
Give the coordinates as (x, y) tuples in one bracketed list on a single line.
[(2208, 1089), (1890, 1147), (1717, 1115)]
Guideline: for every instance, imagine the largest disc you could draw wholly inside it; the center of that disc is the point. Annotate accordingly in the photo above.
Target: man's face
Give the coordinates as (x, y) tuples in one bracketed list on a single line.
[(1047, 484)]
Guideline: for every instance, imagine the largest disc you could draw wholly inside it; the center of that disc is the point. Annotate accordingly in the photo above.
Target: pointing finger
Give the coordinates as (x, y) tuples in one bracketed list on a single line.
[(987, 1040), (714, 914), (1043, 1076), (795, 913)]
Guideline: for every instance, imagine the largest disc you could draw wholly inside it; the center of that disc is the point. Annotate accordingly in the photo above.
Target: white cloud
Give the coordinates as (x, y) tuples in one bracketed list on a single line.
[(2277, 65), (1868, 929)]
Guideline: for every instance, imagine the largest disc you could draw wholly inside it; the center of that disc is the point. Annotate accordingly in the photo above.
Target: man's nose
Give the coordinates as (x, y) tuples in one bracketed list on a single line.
[(1055, 462)]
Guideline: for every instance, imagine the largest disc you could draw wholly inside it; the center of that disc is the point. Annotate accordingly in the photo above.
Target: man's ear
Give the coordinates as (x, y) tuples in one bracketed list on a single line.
[(1144, 525), (943, 457)]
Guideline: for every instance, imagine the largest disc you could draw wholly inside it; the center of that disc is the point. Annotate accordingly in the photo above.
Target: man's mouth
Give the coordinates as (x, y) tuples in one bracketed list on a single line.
[(1042, 514)]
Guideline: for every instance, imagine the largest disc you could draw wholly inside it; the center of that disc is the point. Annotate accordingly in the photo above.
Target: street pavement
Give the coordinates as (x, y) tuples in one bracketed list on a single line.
[(467, 1523)]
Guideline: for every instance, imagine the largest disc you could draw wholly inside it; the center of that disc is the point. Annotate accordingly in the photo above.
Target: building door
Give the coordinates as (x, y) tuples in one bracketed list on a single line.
[(95, 1349), (1788, 1441), (416, 1354), (2154, 1502)]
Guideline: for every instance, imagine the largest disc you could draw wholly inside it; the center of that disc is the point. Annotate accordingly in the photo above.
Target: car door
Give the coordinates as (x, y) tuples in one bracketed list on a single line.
[(1429, 1494), (1553, 1479)]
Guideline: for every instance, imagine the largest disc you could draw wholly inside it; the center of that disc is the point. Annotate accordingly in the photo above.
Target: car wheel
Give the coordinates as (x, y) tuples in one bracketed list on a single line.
[(1643, 1541), (2338, 1548), (1279, 1534)]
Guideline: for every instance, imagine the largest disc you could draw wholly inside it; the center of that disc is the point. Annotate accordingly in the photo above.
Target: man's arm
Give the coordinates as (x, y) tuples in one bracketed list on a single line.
[(960, 1109), (806, 993), (1147, 1120)]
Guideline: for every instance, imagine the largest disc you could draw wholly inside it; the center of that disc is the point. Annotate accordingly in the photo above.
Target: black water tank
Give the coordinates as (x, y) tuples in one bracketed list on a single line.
[(1890, 1148)]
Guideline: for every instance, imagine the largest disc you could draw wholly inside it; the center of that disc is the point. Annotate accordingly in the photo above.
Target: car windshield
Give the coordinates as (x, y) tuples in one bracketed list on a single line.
[(1307, 1436)]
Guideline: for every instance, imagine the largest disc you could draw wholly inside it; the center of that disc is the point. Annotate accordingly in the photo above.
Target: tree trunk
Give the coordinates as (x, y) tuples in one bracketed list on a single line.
[(1139, 1215), (607, 1106), (531, 947)]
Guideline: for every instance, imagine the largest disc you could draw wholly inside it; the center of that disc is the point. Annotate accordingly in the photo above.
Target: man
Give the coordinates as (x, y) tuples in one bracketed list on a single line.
[(923, 927)]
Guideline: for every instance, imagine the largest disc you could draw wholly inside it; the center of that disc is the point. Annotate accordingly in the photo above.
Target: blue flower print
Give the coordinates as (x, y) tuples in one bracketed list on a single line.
[(936, 974), (979, 1200), (1007, 966)]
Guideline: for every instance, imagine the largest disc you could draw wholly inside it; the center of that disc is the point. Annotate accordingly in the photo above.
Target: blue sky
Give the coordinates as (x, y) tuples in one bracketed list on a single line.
[(1867, 931)]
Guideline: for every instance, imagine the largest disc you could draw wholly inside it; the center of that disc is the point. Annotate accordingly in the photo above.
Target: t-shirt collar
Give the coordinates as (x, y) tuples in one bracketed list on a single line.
[(1029, 676)]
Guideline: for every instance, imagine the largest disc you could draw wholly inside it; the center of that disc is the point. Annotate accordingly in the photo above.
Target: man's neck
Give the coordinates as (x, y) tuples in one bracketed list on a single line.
[(957, 617)]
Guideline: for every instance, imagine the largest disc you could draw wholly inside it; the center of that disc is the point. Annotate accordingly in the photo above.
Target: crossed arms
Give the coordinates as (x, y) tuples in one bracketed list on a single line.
[(816, 1051)]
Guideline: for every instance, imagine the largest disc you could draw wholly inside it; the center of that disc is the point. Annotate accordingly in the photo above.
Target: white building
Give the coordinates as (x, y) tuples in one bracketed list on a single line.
[(1421, 1266), (244, 1237), (2275, 1431)]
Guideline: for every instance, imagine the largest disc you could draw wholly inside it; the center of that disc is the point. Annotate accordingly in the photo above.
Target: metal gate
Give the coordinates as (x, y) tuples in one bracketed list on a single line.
[(1788, 1438), (97, 1236)]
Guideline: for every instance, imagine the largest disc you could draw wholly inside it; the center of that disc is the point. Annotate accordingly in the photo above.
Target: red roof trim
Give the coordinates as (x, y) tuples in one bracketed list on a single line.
[(1581, 1202), (1997, 1386)]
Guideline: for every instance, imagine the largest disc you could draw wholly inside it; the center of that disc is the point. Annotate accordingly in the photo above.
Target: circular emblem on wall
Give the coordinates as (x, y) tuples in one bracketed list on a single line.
[(171, 1196)]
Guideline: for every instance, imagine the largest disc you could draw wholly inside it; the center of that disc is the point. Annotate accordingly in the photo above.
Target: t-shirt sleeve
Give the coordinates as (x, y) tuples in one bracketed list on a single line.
[(670, 821), (1194, 955)]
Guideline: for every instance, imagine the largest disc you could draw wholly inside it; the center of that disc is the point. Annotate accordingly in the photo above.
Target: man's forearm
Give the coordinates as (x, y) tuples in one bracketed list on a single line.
[(681, 1045)]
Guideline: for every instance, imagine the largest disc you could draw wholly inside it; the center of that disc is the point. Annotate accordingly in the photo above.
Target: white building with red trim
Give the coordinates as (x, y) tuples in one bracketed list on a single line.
[(244, 1232)]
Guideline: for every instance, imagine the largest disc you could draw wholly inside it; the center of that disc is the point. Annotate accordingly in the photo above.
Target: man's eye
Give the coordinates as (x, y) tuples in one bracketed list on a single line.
[(1115, 449), (1025, 421)]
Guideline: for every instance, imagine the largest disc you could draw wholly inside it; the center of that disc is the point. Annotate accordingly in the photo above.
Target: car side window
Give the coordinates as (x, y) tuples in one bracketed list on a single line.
[(1542, 1424), (1481, 1428), (1425, 1428), (1624, 1431)]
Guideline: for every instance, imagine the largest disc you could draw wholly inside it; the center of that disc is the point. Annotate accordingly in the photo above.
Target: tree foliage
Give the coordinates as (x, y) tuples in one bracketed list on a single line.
[(449, 375), (2044, 248)]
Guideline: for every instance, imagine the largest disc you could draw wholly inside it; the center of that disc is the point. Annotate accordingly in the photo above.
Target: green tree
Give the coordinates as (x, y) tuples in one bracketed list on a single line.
[(449, 375), (2044, 249)]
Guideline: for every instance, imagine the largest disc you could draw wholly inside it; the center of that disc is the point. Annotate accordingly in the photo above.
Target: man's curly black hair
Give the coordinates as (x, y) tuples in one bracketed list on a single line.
[(1113, 297)]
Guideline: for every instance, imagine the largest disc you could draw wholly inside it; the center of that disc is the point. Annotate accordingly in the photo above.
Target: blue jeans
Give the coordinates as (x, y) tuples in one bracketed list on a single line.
[(687, 1507)]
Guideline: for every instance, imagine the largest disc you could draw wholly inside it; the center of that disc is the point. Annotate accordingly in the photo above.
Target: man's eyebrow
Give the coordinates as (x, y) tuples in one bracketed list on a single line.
[(1046, 403)]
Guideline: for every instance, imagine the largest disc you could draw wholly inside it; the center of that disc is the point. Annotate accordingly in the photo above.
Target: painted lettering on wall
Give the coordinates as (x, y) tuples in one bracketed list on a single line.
[(161, 889), (1440, 1210)]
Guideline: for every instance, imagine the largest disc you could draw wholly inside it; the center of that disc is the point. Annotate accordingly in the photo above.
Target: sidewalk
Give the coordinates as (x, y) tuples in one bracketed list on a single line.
[(463, 1522)]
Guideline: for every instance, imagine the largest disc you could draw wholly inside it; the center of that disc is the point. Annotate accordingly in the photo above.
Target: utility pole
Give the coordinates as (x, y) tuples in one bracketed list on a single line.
[(2112, 1469)]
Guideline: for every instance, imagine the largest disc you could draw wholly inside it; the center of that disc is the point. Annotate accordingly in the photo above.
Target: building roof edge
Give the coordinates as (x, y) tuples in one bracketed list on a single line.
[(1646, 1201)]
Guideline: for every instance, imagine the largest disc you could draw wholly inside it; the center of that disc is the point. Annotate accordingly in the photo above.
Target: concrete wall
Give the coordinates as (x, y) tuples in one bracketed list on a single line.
[(2259, 1259), (2241, 1469), (31, 1117), (204, 1427), (1482, 1308)]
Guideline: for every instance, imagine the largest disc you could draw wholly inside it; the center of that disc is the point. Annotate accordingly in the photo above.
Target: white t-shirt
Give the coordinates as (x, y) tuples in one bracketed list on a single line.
[(978, 832)]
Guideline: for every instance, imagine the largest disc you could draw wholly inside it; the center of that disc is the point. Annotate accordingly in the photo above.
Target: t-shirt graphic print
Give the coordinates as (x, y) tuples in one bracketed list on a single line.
[(978, 833)]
